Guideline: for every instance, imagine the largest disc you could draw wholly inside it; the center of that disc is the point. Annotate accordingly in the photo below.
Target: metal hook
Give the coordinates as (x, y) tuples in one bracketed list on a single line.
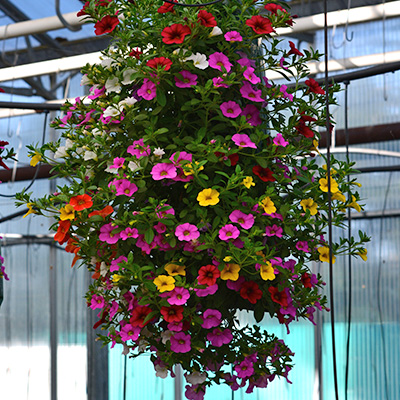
[(349, 39)]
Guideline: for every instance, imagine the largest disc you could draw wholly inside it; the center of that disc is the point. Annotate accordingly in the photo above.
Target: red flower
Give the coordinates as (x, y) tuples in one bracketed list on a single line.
[(175, 33), (172, 313), (106, 24), (107, 210), (306, 280), (314, 86), (265, 174), (293, 50), (62, 235), (260, 24), (208, 275), (166, 8), (81, 202), (139, 314), (251, 291), (234, 159), (304, 130), (279, 297), (2, 90), (206, 19), (274, 8), (83, 11), (160, 62), (135, 53)]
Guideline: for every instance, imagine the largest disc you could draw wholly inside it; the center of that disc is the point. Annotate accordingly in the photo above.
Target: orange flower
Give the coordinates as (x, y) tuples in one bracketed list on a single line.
[(81, 202), (107, 210), (62, 235)]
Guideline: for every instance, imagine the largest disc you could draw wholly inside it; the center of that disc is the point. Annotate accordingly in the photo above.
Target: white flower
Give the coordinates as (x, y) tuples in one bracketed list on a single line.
[(103, 269), (215, 31), (161, 372), (89, 155), (60, 153), (133, 166), (129, 101), (106, 63), (113, 85), (196, 378), (85, 80), (111, 170), (69, 144), (142, 345), (199, 60), (127, 76), (111, 111), (165, 336), (159, 152), (179, 51), (97, 132)]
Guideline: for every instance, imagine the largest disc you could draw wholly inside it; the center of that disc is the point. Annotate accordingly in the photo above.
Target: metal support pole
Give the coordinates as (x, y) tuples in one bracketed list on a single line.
[(178, 382)]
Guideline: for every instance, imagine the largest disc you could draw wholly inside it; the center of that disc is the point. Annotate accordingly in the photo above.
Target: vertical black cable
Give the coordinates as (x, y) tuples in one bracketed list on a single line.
[(124, 387), (346, 134), (328, 167)]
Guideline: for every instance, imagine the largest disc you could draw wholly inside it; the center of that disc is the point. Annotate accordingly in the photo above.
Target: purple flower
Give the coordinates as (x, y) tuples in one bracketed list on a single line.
[(235, 285), (228, 232), (251, 76), (243, 140), (147, 90), (252, 114), (233, 36), (244, 369), (129, 332), (113, 309), (178, 296), (230, 109), (218, 338), (280, 141), (188, 80), (194, 392), (107, 234), (274, 230), (207, 291), (211, 319), (187, 232), (175, 326), (218, 61), (97, 301), (219, 82), (163, 171), (129, 233), (180, 343), (302, 246), (282, 59), (286, 95), (248, 92)]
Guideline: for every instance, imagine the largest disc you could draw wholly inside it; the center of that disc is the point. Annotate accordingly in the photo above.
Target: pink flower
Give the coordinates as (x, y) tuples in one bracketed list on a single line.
[(125, 188), (166, 209), (187, 232), (129, 332), (180, 343), (244, 369), (144, 246), (219, 338), (107, 234), (219, 82), (195, 392), (113, 309), (228, 232), (246, 221), (175, 326), (252, 114), (274, 230), (251, 76), (97, 302), (160, 227), (207, 291), (230, 109), (178, 296), (115, 263), (188, 80), (281, 60), (163, 171), (302, 246), (235, 285), (286, 95), (147, 90), (280, 141), (233, 36), (118, 162), (248, 92), (243, 140), (139, 149), (218, 61), (211, 319), (129, 233)]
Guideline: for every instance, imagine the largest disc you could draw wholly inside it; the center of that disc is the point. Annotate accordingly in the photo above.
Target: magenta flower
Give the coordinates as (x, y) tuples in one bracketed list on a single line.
[(163, 171), (248, 92), (139, 149), (280, 141), (167, 209), (129, 233), (180, 343), (187, 232), (230, 109), (178, 296), (144, 246), (208, 291), (233, 36), (251, 76), (228, 232), (113, 309), (273, 230), (211, 319), (286, 95), (281, 63), (218, 61), (235, 285), (219, 82), (129, 332), (175, 326), (243, 140), (302, 246), (177, 157), (246, 221), (108, 235), (125, 188), (114, 266), (188, 79), (252, 114), (147, 90), (219, 338), (195, 392), (97, 302), (244, 369), (160, 227), (118, 162)]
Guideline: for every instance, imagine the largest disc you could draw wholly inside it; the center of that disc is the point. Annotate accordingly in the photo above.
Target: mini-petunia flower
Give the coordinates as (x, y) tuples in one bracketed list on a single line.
[(324, 254), (208, 197), (205, 18), (126, 188), (323, 185), (245, 369), (309, 204), (233, 36), (129, 332), (250, 76), (243, 140), (129, 233), (163, 171), (219, 61), (178, 296), (81, 202), (219, 337), (164, 63), (248, 182), (267, 271), (106, 25), (228, 232), (248, 92), (230, 272), (302, 246), (251, 291), (175, 33), (218, 81), (265, 174), (175, 269), (67, 212), (187, 232), (260, 24), (164, 283), (172, 313), (180, 343), (274, 230), (211, 318), (147, 90), (108, 235), (246, 221), (252, 114), (280, 141), (208, 275), (199, 60), (188, 79), (230, 109), (268, 205), (138, 149)]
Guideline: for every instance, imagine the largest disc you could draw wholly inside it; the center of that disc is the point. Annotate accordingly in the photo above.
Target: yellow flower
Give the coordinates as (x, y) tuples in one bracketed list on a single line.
[(164, 283), (35, 159), (31, 210), (231, 272), (228, 258), (363, 254), (339, 196), (315, 146), (67, 212), (323, 185), (324, 254), (357, 184), (267, 271), (116, 278), (309, 204), (208, 197), (175, 269), (189, 168), (333, 171), (354, 204), (268, 205), (248, 182)]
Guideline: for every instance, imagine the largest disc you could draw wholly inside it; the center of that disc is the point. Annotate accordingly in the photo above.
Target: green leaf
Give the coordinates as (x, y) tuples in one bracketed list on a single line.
[(149, 236), (258, 312), (161, 99)]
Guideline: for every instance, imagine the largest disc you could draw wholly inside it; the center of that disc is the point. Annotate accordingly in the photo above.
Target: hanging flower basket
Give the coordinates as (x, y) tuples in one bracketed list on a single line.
[(194, 190)]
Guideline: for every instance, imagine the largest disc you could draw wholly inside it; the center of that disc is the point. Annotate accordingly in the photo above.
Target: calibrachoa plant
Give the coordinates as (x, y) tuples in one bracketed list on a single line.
[(194, 191)]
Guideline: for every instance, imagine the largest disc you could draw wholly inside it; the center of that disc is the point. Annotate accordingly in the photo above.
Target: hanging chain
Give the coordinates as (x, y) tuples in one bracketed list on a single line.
[(192, 5)]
